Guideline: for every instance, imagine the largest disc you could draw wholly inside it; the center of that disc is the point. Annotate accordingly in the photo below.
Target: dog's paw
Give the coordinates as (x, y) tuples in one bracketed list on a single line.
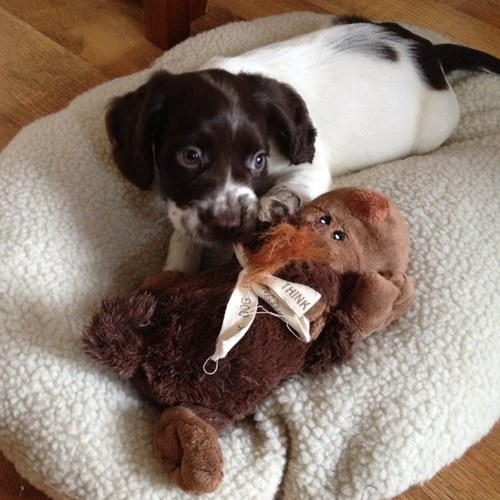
[(274, 207)]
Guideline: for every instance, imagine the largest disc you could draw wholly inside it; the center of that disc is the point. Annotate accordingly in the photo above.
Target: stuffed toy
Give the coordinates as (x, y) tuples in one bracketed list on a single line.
[(207, 348)]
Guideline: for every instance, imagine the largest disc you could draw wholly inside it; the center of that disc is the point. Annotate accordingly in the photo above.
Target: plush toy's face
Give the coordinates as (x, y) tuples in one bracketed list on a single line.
[(362, 228)]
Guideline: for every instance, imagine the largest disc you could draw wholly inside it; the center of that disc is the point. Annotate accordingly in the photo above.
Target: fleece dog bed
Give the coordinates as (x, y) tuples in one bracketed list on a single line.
[(412, 400)]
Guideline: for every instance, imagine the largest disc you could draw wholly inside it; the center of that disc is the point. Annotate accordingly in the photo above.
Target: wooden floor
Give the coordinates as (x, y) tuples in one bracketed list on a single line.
[(52, 50)]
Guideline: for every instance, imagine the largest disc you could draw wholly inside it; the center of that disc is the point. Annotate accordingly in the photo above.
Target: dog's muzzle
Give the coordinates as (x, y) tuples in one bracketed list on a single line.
[(232, 221)]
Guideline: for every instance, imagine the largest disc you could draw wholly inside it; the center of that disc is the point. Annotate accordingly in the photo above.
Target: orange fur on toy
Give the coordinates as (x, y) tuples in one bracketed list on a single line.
[(284, 244)]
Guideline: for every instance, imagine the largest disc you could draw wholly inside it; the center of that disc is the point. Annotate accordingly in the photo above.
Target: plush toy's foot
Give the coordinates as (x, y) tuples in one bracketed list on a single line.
[(380, 299), (189, 449), (406, 293)]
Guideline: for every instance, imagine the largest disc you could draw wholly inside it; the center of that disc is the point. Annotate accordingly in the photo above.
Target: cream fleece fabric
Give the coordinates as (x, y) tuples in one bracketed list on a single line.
[(412, 400)]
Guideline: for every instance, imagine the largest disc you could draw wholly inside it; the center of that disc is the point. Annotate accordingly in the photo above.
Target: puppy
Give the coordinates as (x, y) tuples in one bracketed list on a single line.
[(251, 137)]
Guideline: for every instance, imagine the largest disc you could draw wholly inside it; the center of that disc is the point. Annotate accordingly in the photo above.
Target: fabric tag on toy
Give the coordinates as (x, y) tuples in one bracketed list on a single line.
[(290, 301)]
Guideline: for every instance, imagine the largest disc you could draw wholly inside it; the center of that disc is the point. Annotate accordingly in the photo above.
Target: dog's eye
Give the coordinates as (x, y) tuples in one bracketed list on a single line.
[(339, 235), (190, 157), (259, 161), (325, 219)]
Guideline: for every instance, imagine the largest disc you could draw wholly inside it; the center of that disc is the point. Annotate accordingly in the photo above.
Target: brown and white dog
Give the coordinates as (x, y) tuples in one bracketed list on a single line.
[(249, 138)]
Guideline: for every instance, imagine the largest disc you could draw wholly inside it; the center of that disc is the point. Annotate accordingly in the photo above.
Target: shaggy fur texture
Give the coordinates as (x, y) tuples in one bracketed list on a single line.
[(354, 253)]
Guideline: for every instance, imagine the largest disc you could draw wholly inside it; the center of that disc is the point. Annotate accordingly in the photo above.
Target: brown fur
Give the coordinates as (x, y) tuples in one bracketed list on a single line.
[(153, 127), (351, 245)]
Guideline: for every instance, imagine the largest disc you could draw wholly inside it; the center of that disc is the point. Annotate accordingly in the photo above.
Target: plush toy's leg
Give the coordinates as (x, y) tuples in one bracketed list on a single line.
[(189, 449)]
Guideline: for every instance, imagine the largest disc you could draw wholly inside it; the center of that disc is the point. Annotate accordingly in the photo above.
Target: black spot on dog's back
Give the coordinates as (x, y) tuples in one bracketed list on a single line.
[(424, 54), (422, 51), (362, 41)]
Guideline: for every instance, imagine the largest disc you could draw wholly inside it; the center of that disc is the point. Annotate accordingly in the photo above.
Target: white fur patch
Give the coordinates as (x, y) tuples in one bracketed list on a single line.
[(366, 109), (233, 197)]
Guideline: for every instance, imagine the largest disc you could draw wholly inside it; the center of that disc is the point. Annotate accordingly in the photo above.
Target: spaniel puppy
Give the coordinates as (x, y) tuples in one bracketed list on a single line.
[(251, 137)]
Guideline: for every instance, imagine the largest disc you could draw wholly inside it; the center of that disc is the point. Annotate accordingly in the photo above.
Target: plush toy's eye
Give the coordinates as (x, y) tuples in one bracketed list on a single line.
[(326, 219), (339, 235)]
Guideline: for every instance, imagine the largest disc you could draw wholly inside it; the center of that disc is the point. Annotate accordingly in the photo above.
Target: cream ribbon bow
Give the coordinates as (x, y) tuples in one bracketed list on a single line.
[(291, 301)]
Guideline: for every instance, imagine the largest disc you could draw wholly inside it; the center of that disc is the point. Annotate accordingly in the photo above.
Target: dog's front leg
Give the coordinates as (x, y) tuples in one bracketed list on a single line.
[(277, 204), (295, 185), (184, 254)]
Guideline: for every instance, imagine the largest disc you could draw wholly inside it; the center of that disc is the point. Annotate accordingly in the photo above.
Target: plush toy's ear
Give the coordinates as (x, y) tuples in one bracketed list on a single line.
[(368, 206)]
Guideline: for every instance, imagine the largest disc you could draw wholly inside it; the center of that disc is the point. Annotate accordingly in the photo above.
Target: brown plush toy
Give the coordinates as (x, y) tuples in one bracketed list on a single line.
[(350, 246)]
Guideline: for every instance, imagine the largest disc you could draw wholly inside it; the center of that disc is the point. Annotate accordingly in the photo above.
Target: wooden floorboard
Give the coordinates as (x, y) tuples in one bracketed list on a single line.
[(473, 23), (53, 50), (32, 85), (107, 34)]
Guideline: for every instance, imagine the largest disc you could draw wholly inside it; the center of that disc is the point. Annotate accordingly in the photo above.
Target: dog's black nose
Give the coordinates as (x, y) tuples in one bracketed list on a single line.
[(227, 220)]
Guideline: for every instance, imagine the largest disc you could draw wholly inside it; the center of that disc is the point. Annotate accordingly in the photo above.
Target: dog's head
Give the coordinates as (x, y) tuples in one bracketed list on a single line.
[(208, 133)]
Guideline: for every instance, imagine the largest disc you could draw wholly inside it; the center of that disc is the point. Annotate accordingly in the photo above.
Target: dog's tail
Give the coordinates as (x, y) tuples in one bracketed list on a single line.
[(454, 57)]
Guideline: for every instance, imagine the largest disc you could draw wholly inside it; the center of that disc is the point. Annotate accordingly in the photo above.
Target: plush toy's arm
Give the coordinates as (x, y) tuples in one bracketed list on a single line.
[(317, 316), (322, 278), (335, 344), (377, 300)]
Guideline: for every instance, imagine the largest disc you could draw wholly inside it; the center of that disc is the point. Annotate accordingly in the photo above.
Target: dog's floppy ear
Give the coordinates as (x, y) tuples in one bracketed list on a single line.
[(131, 122), (288, 119)]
